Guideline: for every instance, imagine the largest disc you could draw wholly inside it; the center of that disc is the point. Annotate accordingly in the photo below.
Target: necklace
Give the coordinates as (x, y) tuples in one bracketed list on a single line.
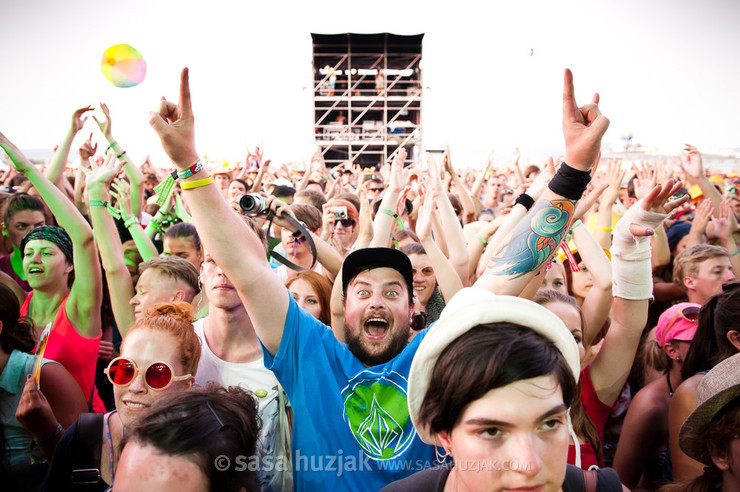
[(668, 380), (110, 443)]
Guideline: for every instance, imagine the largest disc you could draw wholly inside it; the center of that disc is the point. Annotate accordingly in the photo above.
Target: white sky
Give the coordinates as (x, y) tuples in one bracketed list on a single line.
[(667, 70)]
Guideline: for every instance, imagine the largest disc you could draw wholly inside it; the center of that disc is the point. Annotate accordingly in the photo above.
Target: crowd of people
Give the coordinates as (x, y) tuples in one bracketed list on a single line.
[(566, 325)]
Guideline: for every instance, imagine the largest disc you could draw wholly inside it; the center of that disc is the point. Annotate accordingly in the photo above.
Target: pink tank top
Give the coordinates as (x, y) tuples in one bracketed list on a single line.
[(76, 353)]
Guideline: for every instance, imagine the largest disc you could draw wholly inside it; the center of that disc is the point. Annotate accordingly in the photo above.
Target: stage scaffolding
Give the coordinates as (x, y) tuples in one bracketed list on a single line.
[(367, 96)]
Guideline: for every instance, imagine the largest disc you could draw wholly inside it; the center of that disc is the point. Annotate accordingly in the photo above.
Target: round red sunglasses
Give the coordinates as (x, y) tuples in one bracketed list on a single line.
[(157, 375)]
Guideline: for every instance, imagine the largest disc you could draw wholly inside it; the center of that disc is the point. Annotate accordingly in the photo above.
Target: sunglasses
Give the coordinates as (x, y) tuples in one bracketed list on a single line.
[(375, 189), (346, 222), (689, 313), (157, 375)]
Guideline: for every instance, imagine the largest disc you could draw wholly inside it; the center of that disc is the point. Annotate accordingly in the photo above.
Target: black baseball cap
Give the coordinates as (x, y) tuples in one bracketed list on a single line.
[(370, 258)]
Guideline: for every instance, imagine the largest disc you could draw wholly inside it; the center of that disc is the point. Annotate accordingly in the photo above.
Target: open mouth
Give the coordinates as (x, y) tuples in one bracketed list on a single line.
[(35, 270), (376, 328)]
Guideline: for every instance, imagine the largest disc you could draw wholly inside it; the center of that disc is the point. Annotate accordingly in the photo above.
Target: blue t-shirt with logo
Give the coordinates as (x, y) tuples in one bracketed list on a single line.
[(352, 429)]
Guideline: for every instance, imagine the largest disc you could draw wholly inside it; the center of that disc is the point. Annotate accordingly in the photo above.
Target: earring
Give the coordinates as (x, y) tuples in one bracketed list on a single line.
[(441, 458)]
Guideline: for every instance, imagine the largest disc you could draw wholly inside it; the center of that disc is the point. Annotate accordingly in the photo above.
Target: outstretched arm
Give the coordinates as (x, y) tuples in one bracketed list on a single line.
[(448, 278), (231, 243), (85, 297), (453, 234), (55, 171), (109, 243), (533, 241), (135, 175), (633, 289), (383, 223)]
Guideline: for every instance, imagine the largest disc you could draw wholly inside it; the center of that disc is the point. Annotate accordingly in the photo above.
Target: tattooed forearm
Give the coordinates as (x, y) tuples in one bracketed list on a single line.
[(534, 241)]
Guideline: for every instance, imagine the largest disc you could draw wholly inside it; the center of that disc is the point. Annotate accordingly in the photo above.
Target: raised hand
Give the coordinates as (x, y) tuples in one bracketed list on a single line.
[(87, 150), (77, 120), (693, 168), (614, 177), (105, 125), (395, 180), (20, 162), (583, 128), (122, 193), (102, 175), (175, 125), (657, 201)]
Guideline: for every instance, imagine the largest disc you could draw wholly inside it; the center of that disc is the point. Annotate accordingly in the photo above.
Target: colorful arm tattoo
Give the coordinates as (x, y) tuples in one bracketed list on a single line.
[(534, 241)]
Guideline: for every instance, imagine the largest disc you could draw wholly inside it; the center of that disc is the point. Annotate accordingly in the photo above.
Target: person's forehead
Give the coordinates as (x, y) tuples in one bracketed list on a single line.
[(378, 276), (27, 216), (153, 276), (41, 244), (710, 263)]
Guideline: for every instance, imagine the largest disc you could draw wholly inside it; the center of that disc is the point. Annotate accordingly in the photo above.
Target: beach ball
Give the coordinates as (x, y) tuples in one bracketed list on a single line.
[(123, 66)]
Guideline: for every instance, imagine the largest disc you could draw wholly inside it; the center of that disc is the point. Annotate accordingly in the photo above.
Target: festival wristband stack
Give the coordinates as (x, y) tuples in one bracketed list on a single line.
[(394, 215), (164, 189), (111, 209)]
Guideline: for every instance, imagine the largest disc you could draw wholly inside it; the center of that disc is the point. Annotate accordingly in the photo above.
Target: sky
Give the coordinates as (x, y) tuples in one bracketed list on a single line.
[(667, 70)]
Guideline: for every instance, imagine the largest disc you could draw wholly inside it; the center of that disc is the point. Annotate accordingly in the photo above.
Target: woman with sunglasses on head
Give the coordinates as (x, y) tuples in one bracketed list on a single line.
[(159, 356), (642, 459), (717, 338), (492, 384)]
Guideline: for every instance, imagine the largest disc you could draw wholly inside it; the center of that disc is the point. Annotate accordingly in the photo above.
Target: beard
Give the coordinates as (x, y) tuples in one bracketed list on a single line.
[(394, 345)]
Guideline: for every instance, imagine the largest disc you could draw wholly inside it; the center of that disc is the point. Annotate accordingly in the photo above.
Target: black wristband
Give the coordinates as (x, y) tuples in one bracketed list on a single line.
[(570, 183), (525, 200)]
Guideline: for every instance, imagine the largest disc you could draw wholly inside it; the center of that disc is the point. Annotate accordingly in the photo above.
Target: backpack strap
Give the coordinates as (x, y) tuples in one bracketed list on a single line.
[(88, 443)]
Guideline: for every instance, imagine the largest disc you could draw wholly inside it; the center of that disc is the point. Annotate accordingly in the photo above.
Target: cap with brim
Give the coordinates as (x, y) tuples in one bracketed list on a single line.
[(680, 328), (718, 388), (471, 307), (279, 182), (370, 258)]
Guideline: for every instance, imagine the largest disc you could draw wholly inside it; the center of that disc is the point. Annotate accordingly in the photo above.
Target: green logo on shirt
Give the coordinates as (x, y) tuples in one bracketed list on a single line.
[(377, 413)]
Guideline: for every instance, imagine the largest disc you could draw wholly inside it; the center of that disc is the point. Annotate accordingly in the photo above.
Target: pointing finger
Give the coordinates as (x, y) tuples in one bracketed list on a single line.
[(569, 101), (185, 103)]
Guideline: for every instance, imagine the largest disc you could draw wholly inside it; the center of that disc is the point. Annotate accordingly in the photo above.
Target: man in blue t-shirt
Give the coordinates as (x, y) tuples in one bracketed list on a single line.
[(352, 429)]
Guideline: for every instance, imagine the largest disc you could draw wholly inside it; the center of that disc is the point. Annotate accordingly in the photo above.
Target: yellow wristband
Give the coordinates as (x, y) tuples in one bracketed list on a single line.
[(607, 229), (189, 185)]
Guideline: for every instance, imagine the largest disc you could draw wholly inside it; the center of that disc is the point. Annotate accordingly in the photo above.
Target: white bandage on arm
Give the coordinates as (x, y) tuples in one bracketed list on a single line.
[(632, 276)]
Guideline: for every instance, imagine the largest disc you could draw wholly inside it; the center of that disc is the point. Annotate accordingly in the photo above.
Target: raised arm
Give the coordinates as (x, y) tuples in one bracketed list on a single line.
[(85, 297), (383, 223), (453, 234), (55, 171), (475, 190), (448, 278), (465, 199), (109, 243), (122, 193), (135, 175), (533, 242), (633, 289), (231, 243)]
